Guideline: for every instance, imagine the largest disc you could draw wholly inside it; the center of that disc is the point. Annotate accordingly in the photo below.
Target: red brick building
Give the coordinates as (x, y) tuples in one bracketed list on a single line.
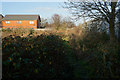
[(21, 21)]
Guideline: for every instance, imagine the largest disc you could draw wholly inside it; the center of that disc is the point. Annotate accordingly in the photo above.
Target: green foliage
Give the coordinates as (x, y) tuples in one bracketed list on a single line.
[(61, 56), (44, 56), (8, 30), (98, 58), (31, 31)]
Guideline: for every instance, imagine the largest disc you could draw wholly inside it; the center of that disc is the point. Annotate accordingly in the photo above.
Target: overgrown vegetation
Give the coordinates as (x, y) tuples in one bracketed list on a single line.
[(60, 54), (44, 56)]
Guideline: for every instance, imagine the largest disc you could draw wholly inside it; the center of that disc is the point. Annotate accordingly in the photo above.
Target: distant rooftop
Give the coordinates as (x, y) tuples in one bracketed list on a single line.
[(21, 17), (1, 15)]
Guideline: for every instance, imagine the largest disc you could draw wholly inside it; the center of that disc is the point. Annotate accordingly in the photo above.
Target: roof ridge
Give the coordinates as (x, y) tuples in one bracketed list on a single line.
[(21, 17)]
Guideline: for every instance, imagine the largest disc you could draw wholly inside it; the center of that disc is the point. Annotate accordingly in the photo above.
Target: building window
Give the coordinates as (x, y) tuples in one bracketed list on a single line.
[(31, 22), (18, 22), (7, 22)]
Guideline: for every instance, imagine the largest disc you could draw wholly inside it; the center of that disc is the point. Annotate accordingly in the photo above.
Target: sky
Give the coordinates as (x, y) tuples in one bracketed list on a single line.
[(33, 0), (44, 9), (0, 7)]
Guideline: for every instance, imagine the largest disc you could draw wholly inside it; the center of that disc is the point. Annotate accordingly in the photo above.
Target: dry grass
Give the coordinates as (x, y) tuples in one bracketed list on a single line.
[(25, 32)]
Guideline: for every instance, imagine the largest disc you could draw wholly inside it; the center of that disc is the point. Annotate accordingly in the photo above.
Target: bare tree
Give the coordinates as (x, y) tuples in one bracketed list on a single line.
[(97, 10), (67, 23), (43, 22), (56, 20), (118, 16)]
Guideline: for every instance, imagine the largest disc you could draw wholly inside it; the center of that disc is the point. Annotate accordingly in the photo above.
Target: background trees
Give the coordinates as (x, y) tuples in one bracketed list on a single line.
[(56, 20), (59, 22), (43, 22), (96, 10)]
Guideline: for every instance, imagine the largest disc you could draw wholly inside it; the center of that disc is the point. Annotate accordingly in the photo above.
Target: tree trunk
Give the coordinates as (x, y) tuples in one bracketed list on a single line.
[(119, 28), (112, 30), (119, 33), (112, 22)]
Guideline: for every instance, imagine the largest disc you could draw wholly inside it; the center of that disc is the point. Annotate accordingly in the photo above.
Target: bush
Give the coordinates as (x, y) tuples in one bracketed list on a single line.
[(87, 55), (44, 56), (97, 57)]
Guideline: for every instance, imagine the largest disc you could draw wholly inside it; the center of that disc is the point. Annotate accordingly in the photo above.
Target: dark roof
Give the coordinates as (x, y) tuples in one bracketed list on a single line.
[(21, 17), (1, 15)]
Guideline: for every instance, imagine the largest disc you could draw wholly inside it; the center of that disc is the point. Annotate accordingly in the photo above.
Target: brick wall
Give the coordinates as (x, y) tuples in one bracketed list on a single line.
[(23, 24)]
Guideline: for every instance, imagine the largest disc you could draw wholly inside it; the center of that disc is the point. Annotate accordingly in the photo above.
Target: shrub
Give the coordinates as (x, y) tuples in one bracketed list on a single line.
[(98, 57), (87, 55), (44, 56)]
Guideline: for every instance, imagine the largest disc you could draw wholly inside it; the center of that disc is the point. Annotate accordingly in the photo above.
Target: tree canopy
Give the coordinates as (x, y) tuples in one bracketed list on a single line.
[(96, 10)]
